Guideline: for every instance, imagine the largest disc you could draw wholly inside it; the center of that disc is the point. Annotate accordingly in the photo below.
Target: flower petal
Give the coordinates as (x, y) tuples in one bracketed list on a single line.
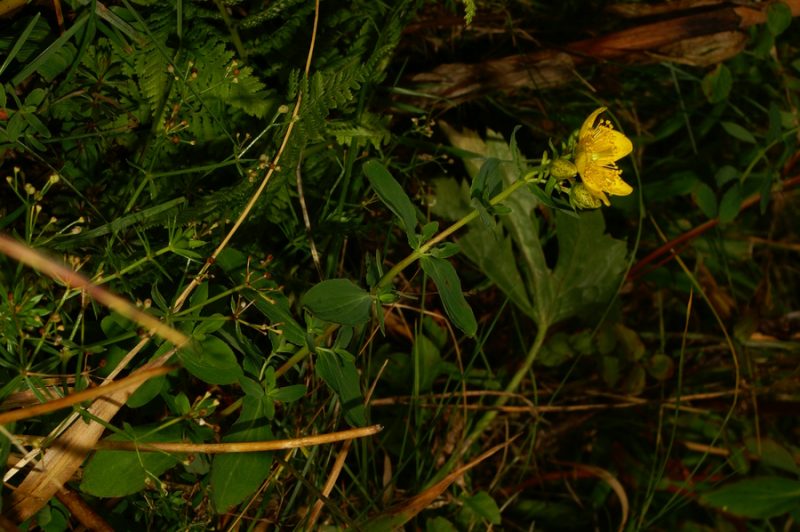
[(608, 146), (605, 179), (588, 124)]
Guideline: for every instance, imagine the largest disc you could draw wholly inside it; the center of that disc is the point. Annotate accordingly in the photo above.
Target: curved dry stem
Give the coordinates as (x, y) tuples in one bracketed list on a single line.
[(132, 381), (239, 447), (73, 279), (263, 185)]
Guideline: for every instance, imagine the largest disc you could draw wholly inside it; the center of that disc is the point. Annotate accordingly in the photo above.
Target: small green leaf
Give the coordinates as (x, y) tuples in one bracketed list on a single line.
[(660, 367), (757, 498), (392, 194), (738, 132), (717, 84), (439, 524), (236, 476), (629, 342), (488, 182), (482, 505), (725, 175), (706, 199), (455, 305), (339, 301), (288, 394), (338, 370), (213, 362), (730, 204), (121, 473), (779, 17)]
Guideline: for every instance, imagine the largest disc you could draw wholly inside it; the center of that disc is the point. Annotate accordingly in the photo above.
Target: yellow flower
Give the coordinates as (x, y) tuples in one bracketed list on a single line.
[(599, 148)]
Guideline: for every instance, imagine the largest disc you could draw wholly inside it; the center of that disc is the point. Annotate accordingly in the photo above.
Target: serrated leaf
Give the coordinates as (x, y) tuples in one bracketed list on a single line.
[(590, 263), (338, 370), (392, 195), (121, 473), (757, 498), (339, 301), (236, 476), (455, 305), (589, 267)]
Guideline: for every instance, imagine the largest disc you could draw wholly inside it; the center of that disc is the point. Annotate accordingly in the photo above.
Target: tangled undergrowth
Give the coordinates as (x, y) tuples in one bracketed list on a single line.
[(363, 265)]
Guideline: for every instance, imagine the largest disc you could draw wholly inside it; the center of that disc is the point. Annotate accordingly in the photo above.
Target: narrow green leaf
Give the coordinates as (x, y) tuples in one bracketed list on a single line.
[(236, 476), (738, 132), (288, 394), (488, 181), (337, 368), (757, 498), (121, 473), (446, 279), (392, 195), (730, 204), (339, 301), (706, 199), (18, 45), (50, 52)]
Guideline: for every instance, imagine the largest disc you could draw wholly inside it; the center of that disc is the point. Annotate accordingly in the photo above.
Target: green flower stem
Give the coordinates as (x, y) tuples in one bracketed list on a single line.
[(423, 249), (488, 417)]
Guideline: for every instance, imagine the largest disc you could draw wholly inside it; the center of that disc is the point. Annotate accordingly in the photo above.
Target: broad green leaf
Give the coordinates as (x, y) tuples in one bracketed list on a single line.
[(449, 285), (338, 370), (121, 473), (213, 361), (589, 267), (236, 476), (773, 454), (717, 84), (738, 132), (589, 264), (392, 195), (339, 301), (146, 392), (757, 498), (779, 17), (521, 223), (730, 204), (482, 505)]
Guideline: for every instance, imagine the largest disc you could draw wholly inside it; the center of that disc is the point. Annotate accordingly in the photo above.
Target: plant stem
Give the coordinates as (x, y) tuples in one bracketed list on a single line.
[(488, 417), (423, 249)]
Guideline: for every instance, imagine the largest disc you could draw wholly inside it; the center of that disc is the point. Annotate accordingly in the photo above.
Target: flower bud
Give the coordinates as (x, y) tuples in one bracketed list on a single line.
[(562, 169), (582, 198)]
